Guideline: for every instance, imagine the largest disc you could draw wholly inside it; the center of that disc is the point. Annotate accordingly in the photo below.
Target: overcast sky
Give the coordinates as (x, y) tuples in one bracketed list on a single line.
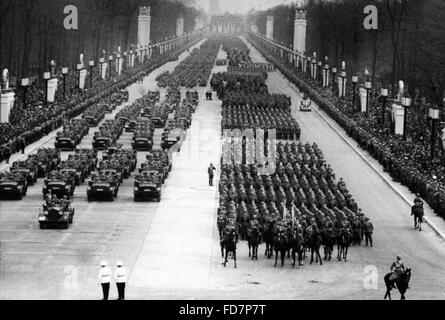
[(243, 6)]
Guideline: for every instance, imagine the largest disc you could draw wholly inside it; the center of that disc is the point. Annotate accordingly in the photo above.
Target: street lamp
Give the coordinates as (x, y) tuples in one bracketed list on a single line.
[(354, 89), (434, 115), (319, 75), (46, 76), (406, 102), (334, 73), (384, 94), (368, 87), (79, 68), (303, 63), (314, 68), (101, 62), (64, 74), (91, 63), (25, 84), (110, 60)]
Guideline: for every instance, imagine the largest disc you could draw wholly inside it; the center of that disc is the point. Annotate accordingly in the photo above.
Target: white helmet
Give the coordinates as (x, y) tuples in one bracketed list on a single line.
[(103, 263), (119, 263)]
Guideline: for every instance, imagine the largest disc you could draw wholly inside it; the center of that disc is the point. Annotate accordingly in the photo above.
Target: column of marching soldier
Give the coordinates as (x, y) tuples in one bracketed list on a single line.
[(409, 161), (301, 199)]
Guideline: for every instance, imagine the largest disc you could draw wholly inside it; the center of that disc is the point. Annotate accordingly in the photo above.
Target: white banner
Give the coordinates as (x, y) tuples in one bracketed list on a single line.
[(398, 113), (82, 77), (104, 70), (325, 78), (52, 88), (341, 86), (362, 94), (119, 62), (7, 103)]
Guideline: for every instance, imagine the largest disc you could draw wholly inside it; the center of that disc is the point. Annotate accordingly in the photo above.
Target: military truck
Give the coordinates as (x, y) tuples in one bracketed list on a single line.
[(147, 186)]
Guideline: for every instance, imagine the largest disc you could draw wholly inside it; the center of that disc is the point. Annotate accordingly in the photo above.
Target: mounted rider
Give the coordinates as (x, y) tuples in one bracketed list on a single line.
[(417, 211), (418, 200), (397, 268)]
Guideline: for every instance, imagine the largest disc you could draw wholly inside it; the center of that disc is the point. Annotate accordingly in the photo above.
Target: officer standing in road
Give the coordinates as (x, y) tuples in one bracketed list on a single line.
[(105, 279), (210, 172), (368, 230), (121, 278)]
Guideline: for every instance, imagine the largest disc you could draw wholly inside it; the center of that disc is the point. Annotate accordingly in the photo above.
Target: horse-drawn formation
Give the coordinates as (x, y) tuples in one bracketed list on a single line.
[(300, 207)]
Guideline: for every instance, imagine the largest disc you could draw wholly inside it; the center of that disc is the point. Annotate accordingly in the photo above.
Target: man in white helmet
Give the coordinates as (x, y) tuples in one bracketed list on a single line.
[(121, 278), (105, 279)]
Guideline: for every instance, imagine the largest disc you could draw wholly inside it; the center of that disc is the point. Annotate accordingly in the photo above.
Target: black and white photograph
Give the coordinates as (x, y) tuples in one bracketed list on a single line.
[(222, 150)]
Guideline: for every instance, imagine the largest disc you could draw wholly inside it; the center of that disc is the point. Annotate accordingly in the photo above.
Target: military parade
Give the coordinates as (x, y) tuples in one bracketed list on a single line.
[(218, 156)]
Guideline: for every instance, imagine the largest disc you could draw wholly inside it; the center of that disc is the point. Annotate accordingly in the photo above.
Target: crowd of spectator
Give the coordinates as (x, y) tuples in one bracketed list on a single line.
[(28, 123)]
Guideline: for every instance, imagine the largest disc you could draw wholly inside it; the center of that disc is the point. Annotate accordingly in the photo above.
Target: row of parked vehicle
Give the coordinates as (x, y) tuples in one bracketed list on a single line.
[(152, 175), (71, 135), (117, 165), (69, 174), (181, 121), (14, 184)]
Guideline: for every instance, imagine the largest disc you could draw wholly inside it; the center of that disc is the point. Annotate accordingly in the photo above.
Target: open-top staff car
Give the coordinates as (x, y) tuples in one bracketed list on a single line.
[(13, 185), (59, 184), (101, 186), (130, 125), (154, 165), (65, 143), (88, 158), (147, 186), (56, 214), (169, 140), (162, 156), (53, 158), (305, 104), (101, 142), (27, 168), (142, 144), (75, 168)]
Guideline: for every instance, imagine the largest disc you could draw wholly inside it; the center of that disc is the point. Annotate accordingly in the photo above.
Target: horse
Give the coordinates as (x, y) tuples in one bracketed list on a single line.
[(314, 243), (228, 244), (268, 239), (417, 211), (296, 245), (328, 239), (357, 234), (253, 241), (401, 283), (280, 245), (243, 226), (343, 243)]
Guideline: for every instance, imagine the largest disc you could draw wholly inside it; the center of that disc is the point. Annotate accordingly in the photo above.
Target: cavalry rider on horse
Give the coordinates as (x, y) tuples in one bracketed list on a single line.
[(418, 200), (417, 211), (397, 268)]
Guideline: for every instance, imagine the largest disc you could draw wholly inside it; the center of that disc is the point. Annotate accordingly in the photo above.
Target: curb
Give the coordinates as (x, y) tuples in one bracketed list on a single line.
[(363, 157), (24, 156)]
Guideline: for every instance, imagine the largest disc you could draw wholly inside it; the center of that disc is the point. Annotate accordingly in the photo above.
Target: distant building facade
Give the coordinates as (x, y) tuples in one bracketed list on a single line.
[(227, 23)]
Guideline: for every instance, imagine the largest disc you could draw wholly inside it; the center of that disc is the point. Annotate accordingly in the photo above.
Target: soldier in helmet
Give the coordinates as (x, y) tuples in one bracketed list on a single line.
[(368, 229)]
